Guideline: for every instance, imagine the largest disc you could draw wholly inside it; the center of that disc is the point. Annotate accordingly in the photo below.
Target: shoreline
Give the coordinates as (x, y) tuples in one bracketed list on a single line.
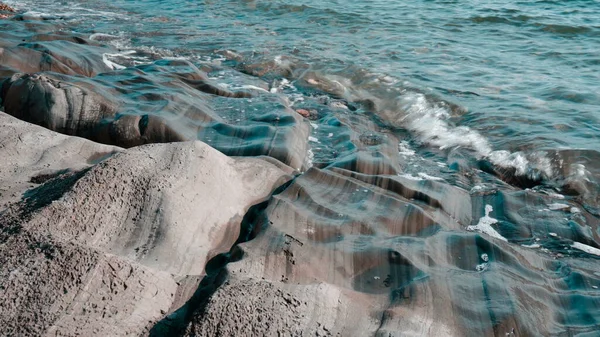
[(152, 199)]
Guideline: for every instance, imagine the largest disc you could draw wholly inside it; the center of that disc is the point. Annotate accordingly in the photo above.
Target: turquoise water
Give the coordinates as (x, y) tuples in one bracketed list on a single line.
[(503, 80), (511, 82), (526, 72)]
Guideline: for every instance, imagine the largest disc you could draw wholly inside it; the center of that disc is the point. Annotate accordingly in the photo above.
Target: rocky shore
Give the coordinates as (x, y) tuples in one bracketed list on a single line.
[(6, 11), (6, 8), (138, 200)]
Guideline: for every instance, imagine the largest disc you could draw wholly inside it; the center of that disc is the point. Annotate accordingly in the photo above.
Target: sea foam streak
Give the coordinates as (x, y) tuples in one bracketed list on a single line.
[(485, 225)]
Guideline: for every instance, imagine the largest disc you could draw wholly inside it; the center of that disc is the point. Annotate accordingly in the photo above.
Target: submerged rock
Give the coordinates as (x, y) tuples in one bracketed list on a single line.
[(125, 108), (75, 110), (57, 53)]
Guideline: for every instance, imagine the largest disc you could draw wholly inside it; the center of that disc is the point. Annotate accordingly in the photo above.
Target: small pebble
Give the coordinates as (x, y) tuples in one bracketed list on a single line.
[(303, 112)]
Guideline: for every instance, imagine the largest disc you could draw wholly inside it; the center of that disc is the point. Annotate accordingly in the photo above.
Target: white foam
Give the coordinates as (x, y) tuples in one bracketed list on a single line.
[(101, 36), (515, 160), (338, 105), (431, 123), (42, 15), (178, 58), (112, 65), (485, 225), (313, 139), (477, 188), (285, 83), (481, 267), (310, 156), (252, 87), (428, 177), (295, 98), (557, 206), (410, 177), (586, 248), (578, 172), (555, 195), (404, 149)]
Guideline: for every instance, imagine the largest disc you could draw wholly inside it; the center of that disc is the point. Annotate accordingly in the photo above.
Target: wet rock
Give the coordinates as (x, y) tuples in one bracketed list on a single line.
[(124, 108), (371, 139), (6, 8), (57, 54), (53, 104), (75, 110), (303, 112), (280, 66)]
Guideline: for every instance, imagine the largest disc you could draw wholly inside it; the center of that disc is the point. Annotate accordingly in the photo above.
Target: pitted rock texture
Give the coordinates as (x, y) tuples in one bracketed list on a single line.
[(106, 241)]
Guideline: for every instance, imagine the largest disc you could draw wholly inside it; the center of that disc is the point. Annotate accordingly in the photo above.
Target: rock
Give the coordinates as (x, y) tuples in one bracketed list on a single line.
[(6, 8), (57, 54), (245, 307), (341, 252), (32, 153), (124, 109), (76, 110), (107, 246), (305, 113)]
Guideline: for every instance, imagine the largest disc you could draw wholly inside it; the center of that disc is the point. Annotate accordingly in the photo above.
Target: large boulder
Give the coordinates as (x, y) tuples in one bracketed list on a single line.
[(107, 241), (75, 110)]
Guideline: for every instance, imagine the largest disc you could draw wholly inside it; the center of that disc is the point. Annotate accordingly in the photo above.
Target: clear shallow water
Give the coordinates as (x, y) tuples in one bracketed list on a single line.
[(526, 72), (454, 83)]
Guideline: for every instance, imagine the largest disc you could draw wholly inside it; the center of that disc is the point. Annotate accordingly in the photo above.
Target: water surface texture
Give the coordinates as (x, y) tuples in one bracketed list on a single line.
[(445, 148)]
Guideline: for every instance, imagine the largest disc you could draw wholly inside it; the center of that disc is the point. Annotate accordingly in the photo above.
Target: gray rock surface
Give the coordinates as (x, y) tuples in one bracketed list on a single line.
[(107, 247)]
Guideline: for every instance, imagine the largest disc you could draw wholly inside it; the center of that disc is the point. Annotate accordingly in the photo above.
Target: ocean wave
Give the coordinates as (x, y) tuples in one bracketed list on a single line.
[(535, 22)]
